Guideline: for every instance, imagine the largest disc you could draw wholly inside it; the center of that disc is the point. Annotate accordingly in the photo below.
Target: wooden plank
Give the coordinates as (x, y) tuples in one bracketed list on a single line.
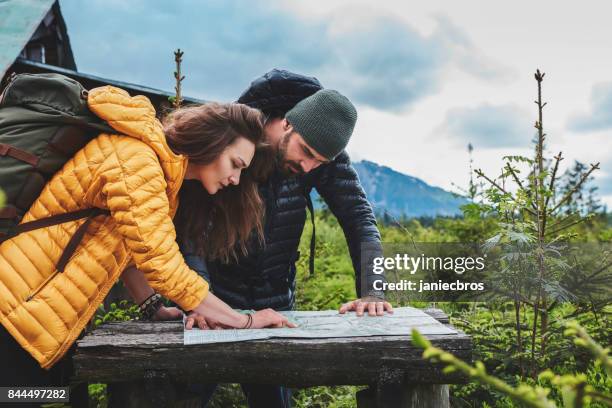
[(126, 350), (438, 314)]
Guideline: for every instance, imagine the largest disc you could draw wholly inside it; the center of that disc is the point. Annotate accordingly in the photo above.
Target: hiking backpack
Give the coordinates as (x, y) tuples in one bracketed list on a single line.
[(44, 121)]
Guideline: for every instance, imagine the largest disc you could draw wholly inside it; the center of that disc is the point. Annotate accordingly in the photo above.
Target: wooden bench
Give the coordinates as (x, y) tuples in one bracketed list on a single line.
[(142, 362)]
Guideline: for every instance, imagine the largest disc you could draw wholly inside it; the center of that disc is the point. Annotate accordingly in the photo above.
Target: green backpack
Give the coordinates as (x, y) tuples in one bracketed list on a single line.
[(44, 121)]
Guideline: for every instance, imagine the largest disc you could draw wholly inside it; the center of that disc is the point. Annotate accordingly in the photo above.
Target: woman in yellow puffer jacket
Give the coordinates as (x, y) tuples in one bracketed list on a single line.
[(136, 174)]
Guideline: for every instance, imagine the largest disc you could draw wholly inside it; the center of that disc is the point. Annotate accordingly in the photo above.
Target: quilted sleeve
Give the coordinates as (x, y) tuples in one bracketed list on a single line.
[(135, 192), (339, 185)]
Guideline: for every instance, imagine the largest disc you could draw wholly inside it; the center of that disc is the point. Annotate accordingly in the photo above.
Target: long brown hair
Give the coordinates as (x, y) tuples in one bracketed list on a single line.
[(218, 226)]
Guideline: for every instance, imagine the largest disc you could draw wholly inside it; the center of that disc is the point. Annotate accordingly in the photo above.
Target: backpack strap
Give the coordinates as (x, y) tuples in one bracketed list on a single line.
[(15, 153), (311, 260), (77, 238), (89, 213)]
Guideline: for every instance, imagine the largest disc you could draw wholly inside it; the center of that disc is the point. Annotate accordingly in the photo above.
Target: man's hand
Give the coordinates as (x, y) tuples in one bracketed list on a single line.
[(374, 306), (168, 313)]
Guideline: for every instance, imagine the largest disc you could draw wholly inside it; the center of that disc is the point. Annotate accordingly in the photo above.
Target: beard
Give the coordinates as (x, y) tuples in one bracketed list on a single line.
[(287, 167)]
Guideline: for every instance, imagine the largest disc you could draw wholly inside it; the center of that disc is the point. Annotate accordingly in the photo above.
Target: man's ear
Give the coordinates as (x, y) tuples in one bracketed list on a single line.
[(287, 126)]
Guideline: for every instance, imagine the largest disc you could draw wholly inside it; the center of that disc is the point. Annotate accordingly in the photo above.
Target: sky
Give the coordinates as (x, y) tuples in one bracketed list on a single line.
[(427, 78)]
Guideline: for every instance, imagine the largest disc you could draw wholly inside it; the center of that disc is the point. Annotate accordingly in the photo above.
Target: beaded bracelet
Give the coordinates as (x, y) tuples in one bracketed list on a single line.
[(150, 306)]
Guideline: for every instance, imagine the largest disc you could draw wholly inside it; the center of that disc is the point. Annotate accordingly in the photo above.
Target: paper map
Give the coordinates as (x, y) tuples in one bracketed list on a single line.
[(327, 324)]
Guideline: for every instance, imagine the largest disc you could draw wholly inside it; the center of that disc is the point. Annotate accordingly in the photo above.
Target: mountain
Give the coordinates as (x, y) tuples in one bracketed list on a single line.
[(402, 195)]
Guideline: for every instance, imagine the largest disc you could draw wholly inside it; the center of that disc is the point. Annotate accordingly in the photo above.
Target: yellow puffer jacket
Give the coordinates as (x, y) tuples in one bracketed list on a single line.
[(136, 176)]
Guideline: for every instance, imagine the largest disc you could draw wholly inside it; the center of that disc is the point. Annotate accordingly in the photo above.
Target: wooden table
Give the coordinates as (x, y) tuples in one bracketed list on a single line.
[(143, 361)]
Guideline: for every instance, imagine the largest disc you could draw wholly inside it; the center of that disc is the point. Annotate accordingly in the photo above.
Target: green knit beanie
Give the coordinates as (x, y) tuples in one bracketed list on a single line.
[(325, 120)]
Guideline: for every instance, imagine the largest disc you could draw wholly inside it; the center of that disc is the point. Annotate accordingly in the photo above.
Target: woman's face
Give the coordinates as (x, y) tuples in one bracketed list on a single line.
[(225, 169)]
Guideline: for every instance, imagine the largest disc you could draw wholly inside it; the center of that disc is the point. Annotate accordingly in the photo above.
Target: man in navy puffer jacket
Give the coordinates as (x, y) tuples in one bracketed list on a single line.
[(265, 278)]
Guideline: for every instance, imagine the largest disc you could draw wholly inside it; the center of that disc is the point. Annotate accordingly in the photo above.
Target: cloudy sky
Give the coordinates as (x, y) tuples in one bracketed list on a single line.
[(427, 79)]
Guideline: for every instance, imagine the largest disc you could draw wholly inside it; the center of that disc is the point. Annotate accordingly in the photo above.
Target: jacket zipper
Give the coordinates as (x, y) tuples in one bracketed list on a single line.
[(41, 286)]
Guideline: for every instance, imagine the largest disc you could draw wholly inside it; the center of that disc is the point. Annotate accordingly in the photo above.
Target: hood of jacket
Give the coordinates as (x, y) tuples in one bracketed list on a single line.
[(134, 116)]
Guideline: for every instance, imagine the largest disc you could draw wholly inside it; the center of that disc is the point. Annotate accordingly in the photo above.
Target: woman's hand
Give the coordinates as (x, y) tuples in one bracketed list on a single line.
[(261, 319), (168, 313), (270, 318), (218, 314), (174, 313), (194, 318)]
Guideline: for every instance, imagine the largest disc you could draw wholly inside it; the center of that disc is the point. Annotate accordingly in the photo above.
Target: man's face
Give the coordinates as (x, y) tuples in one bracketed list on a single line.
[(295, 156)]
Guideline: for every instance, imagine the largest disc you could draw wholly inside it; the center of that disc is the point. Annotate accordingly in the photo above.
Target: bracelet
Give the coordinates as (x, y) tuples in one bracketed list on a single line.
[(249, 322), (150, 306), (148, 300)]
